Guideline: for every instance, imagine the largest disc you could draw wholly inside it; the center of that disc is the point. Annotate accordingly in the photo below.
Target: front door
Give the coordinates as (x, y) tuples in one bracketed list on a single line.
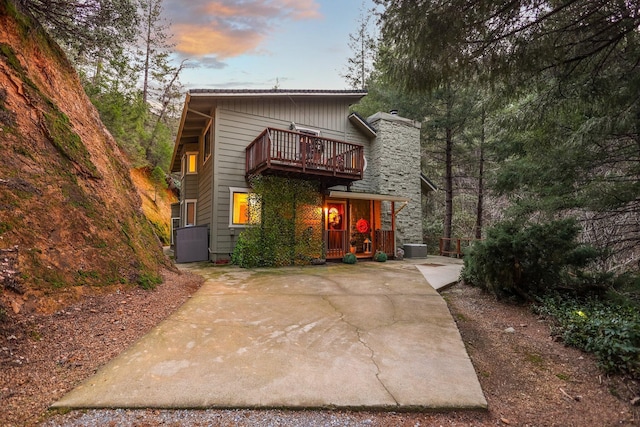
[(336, 236), (360, 227)]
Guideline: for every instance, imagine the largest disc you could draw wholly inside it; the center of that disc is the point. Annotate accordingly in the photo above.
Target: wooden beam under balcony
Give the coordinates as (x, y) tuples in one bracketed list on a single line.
[(295, 154)]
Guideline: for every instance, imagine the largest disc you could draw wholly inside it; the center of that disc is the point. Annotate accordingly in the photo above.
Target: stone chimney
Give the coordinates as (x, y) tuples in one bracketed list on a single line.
[(395, 154)]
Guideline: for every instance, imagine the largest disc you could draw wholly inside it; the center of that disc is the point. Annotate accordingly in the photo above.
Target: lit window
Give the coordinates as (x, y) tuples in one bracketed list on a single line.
[(190, 163), (189, 213), (244, 208)]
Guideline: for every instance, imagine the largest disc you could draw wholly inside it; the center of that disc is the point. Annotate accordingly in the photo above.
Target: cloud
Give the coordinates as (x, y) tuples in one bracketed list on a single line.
[(230, 84), (223, 42), (210, 62), (228, 28)]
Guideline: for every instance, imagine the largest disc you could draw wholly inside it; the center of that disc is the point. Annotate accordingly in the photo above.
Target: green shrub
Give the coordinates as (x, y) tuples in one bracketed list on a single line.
[(608, 330), (349, 258), (522, 261), (247, 252), (380, 256)]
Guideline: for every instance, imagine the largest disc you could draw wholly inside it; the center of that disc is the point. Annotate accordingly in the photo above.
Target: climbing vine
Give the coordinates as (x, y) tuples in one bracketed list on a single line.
[(288, 229)]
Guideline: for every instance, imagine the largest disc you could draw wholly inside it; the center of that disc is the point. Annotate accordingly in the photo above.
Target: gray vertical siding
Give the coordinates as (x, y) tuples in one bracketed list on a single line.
[(237, 122), (190, 187), (205, 176)]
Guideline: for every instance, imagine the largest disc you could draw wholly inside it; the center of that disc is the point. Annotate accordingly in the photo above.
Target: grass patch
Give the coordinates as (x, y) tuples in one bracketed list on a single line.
[(87, 277), (6, 117), (461, 317), (35, 335), (5, 227), (148, 281), (55, 279), (535, 359)]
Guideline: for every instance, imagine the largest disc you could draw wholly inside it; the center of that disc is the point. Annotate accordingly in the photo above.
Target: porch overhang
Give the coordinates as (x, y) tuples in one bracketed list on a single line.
[(366, 196)]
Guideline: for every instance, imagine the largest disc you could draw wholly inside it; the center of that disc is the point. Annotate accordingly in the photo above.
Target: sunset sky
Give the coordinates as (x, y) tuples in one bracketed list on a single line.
[(251, 44)]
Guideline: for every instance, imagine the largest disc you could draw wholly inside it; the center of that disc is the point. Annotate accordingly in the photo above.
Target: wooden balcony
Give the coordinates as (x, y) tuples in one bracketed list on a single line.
[(295, 154)]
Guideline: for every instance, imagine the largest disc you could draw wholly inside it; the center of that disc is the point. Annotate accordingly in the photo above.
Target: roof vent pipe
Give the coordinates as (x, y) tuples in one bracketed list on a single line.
[(394, 112)]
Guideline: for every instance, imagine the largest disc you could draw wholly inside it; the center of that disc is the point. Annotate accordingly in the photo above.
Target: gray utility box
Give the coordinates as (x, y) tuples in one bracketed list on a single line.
[(192, 244), (415, 250)]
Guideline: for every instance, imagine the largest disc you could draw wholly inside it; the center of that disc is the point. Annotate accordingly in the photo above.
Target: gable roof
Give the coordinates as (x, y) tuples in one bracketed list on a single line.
[(362, 125), (426, 184), (198, 102)]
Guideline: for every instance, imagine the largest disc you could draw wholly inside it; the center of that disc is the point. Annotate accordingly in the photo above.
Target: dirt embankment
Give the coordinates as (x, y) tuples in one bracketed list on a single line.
[(67, 201)]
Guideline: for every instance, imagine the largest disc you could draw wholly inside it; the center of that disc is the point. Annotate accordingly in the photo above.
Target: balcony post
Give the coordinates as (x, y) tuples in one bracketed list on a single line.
[(268, 153)]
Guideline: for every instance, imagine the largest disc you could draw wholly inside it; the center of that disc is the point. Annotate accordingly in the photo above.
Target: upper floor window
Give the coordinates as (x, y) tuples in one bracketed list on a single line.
[(190, 163), (206, 143)]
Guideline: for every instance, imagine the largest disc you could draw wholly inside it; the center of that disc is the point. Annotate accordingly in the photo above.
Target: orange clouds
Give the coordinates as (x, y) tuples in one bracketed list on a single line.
[(195, 39), (227, 28)]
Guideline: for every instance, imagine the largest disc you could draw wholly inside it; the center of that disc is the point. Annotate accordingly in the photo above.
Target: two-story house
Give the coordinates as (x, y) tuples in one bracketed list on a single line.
[(368, 170)]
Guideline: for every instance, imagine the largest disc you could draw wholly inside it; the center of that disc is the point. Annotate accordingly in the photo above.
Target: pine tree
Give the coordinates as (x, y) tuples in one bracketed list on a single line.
[(85, 27), (160, 81), (363, 45), (570, 74)]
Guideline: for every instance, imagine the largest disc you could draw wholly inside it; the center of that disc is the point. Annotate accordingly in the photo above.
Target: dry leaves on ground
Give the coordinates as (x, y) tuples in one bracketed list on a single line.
[(528, 379)]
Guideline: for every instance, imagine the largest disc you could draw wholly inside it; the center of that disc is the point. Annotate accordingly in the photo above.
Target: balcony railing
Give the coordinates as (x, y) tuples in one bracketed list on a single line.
[(278, 151)]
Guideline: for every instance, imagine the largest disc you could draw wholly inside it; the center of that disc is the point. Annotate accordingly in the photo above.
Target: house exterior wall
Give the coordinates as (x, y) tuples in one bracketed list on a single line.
[(367, 183), (395, 169), (393, 158), (237, 124), (205, 179)]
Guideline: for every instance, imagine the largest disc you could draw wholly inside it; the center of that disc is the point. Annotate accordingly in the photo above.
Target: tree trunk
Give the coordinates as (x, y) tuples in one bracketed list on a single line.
[(480, 208), (147, 58), (448, 190), (166, 95)]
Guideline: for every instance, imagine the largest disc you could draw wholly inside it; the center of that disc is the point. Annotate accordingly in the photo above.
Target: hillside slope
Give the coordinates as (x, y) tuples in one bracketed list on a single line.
[(67, 203), (156, 203)]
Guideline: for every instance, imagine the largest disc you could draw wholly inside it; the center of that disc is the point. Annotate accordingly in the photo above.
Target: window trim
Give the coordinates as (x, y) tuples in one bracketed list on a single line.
[(185, 160), (195, 212), (206, 154), (232, 191), (173, 229), (307, 131)]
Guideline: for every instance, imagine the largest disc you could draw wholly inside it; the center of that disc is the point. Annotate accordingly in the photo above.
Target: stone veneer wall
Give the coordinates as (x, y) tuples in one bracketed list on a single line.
[(395, 166)]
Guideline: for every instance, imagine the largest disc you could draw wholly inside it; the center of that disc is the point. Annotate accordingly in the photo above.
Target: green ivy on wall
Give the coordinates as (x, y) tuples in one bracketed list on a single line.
[(289, 229)]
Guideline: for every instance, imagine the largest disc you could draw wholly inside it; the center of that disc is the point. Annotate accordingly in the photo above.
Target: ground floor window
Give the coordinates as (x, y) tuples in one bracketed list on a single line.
[(175, 224), (189, 213), (243, 207)]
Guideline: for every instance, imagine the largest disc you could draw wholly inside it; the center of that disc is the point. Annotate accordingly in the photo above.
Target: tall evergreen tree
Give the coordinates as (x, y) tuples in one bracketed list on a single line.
[(363, 45), (570, 131), (161, 87), (155, 46), (85, 26)]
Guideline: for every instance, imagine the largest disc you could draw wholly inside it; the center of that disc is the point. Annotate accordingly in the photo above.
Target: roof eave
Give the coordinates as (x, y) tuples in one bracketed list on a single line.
[(175, 163), (363, 125)]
